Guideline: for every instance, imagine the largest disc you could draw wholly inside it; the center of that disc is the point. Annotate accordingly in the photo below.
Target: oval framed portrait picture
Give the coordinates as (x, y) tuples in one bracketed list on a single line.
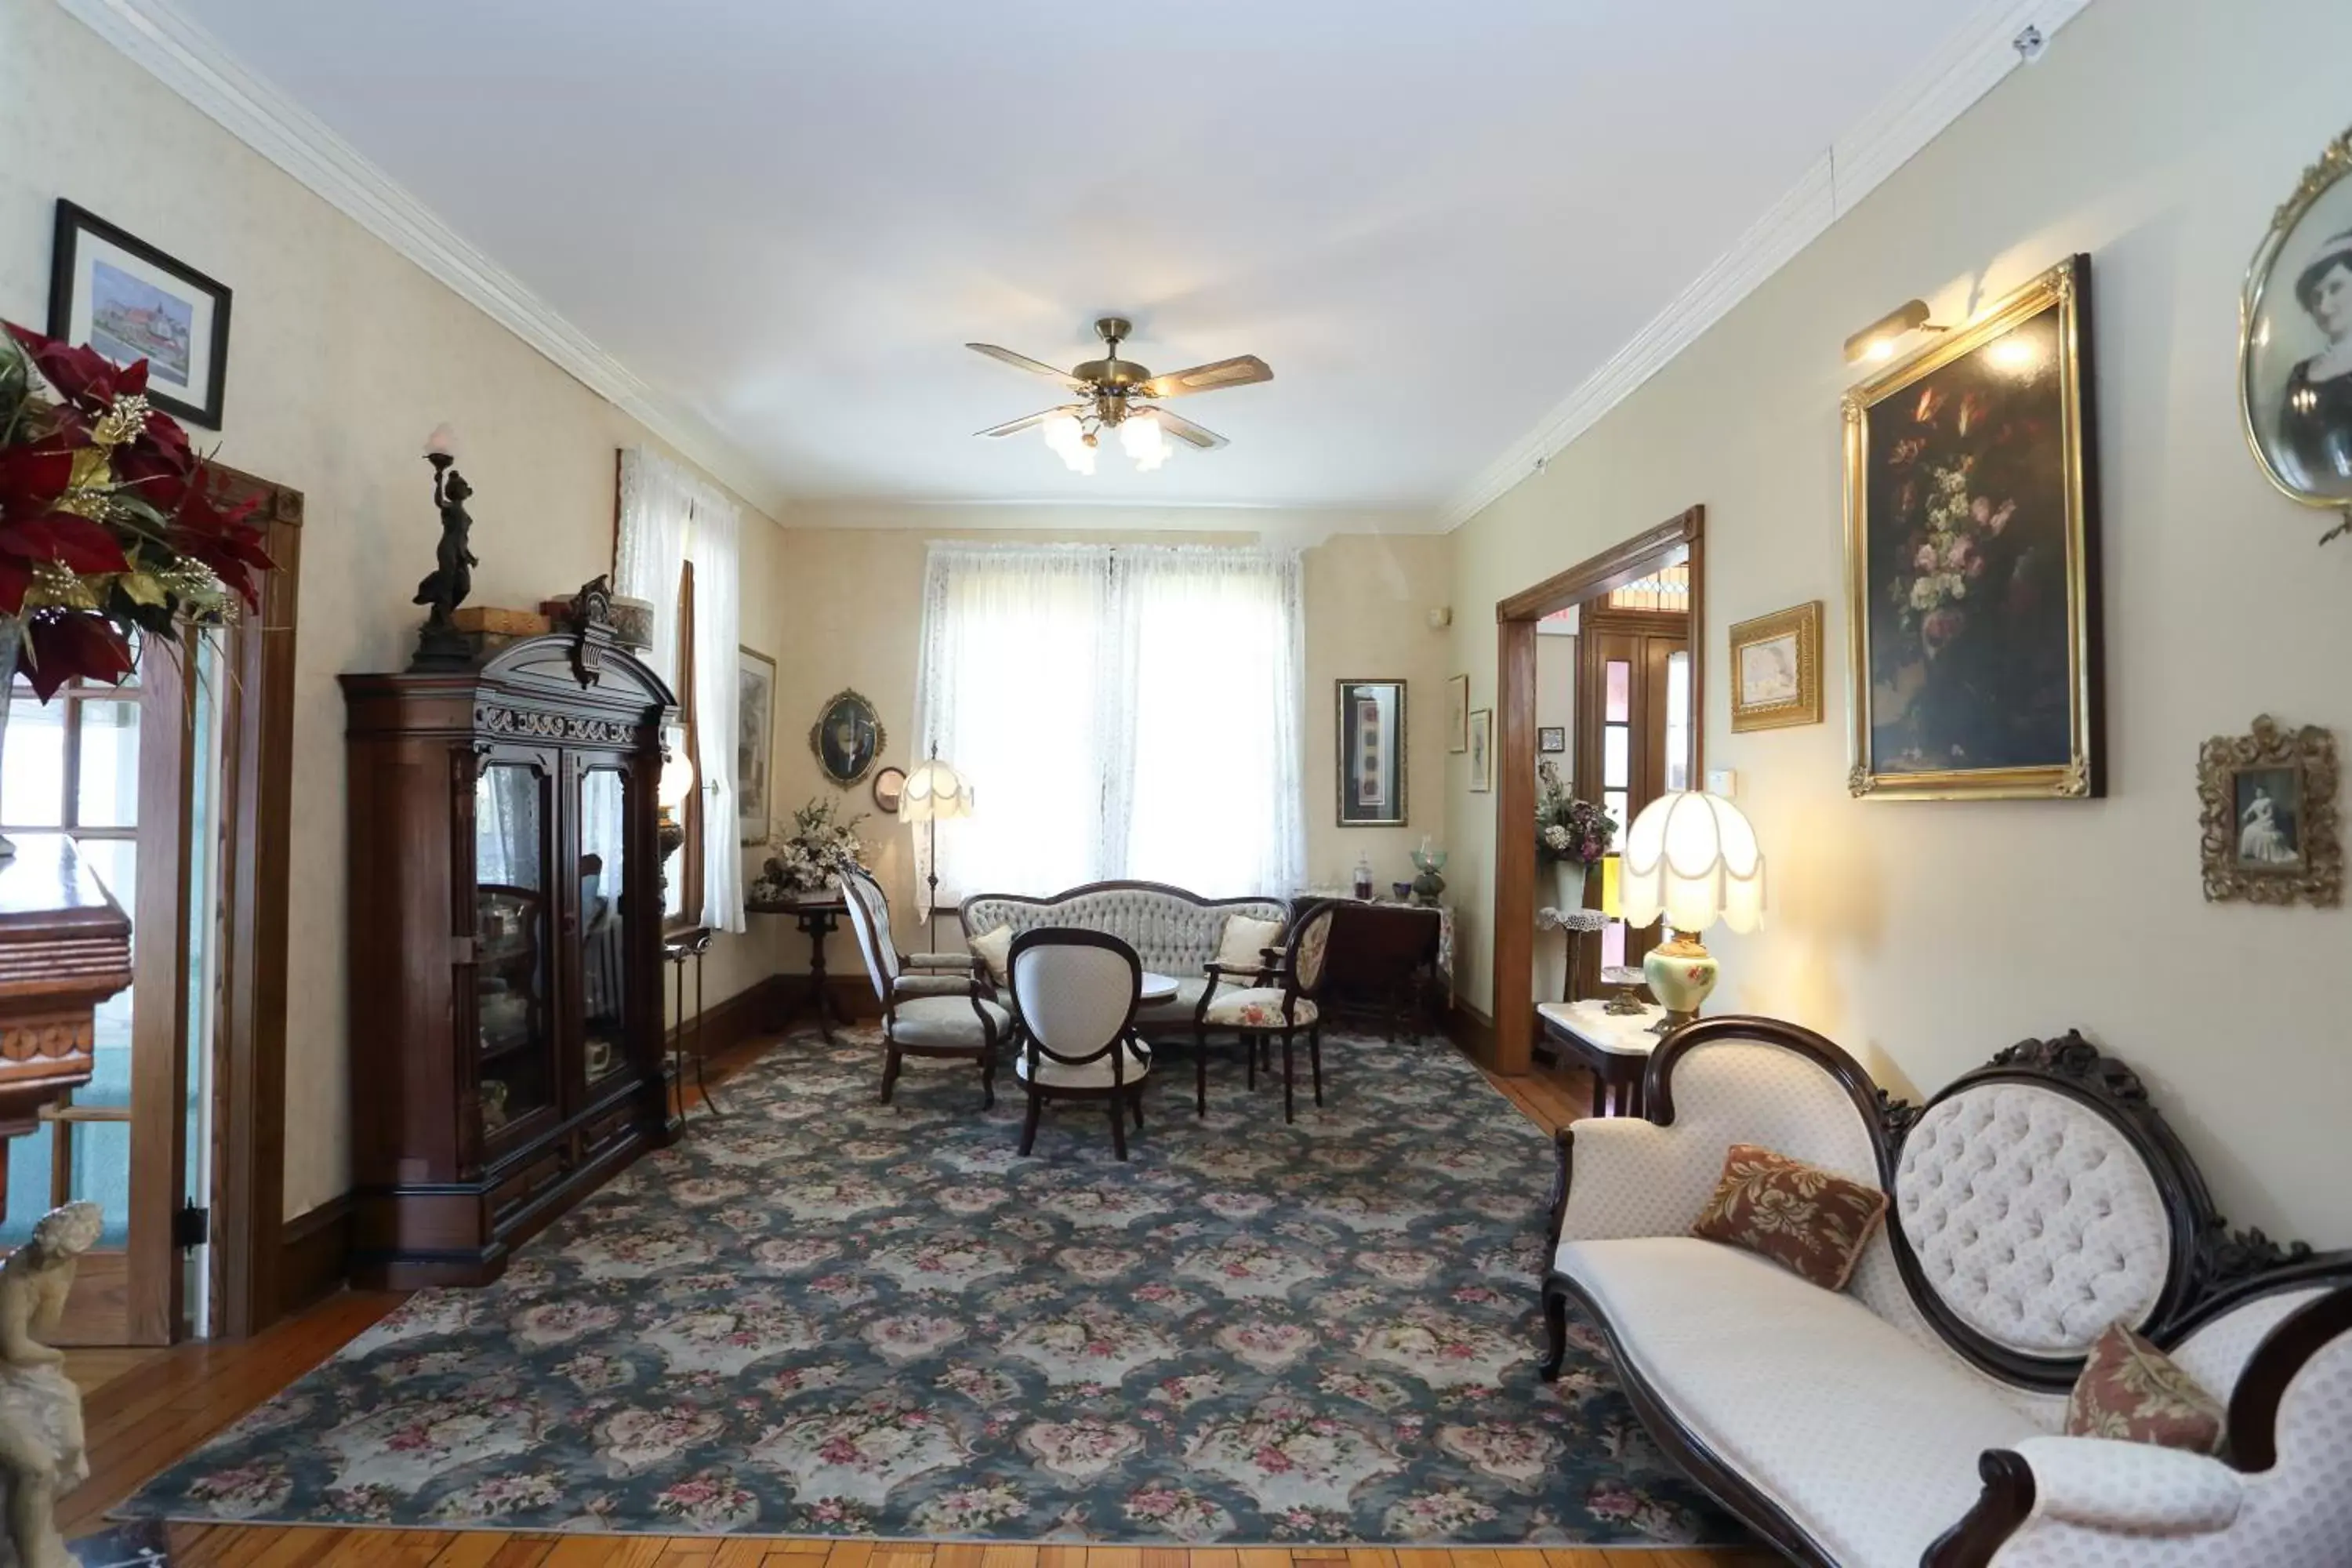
[(847, 738), (2295, 360)]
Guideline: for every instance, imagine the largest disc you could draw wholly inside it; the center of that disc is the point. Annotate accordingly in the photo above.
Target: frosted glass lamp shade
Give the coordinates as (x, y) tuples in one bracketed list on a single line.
[(677, 772), (934, 792), (1690, 858)]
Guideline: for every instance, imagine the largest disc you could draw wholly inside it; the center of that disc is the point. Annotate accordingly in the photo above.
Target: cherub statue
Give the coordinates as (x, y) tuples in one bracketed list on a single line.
[(42, 1450), (448, 585)]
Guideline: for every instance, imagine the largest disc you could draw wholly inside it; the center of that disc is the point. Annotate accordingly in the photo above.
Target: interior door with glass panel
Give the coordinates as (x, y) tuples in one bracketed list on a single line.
[(127, 772), (1635, 727)]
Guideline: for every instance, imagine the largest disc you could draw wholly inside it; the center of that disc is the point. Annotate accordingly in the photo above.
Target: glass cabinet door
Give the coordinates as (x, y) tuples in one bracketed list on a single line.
[(604, 945), (514, 1026)]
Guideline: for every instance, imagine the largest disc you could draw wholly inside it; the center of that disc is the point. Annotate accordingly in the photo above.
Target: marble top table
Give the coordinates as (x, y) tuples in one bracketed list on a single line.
[(1156, 987), (1614, 1047)]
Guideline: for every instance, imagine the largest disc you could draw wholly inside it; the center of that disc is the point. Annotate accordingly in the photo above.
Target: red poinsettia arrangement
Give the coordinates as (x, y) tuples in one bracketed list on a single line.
[(109, 521)]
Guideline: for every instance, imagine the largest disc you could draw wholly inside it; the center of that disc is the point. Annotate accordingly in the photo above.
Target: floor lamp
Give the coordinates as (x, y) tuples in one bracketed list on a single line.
[(933, 792)]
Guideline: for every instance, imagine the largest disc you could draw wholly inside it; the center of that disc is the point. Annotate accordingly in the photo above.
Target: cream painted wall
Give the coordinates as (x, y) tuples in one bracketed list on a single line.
[(848, 612), (2157, 135), (342, 356)]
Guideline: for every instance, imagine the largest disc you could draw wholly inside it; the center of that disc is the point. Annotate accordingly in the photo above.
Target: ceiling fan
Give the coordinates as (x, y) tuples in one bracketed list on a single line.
[(1116, 395)]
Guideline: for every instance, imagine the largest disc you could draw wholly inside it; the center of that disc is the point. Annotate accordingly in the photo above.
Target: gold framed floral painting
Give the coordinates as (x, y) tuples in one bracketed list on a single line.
[(1776, 670), (1972, 558)]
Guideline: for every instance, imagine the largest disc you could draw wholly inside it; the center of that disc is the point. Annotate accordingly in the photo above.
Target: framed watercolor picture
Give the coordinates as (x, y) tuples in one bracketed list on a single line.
[(1372, 753), (1482, 751), (2295, 340), (755, 733), (1552, 738), (1776, 670), (1972, 558), (1457, 714), (129, 301)]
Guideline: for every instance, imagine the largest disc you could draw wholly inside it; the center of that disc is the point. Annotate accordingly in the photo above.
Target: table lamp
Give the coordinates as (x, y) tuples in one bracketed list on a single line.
[(676, 788), (932, 792), (1691, 860)]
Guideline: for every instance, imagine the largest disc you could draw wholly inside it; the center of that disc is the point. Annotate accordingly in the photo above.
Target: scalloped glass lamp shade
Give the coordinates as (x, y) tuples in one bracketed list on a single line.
[(1692, 860), (677, 770), (934, 792)]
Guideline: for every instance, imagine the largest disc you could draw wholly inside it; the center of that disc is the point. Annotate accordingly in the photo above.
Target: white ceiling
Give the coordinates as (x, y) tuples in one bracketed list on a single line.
[(1433, 221)]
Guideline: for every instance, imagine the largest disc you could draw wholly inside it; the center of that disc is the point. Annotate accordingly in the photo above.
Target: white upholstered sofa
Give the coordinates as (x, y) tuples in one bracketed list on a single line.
[(1174, 933), (1916, 1416)]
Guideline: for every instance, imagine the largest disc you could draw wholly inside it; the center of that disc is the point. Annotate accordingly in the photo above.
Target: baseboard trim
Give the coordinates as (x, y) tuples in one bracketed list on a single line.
[(1473, 1031), (313, 1253)]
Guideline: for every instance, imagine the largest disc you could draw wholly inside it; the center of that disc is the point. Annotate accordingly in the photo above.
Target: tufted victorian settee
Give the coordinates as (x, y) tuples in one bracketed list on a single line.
[(1917, 1418), (1174, 933)]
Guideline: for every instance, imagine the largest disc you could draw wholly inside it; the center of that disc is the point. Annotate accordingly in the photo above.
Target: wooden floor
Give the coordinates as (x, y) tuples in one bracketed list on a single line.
[(145, 1408)]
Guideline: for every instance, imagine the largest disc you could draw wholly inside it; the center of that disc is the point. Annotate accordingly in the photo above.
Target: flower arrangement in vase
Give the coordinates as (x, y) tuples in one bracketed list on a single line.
[(820, 847), (109, 527), (1570, 835)]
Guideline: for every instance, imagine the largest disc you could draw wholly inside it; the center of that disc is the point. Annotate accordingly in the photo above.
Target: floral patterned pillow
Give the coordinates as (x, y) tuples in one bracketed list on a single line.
[(1808, 1221), (2131, 1391)]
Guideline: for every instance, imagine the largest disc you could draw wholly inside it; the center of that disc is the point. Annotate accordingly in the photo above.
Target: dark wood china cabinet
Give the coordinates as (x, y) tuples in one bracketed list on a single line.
[(506, 944)]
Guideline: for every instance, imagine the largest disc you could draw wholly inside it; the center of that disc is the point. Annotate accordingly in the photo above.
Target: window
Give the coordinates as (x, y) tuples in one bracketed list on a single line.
[(682, 872), (1119, 711), (677, 549)]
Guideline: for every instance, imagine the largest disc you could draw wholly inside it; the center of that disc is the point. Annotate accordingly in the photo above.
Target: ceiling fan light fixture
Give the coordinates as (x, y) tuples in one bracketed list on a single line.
[(1144, 440), (1066, 439)]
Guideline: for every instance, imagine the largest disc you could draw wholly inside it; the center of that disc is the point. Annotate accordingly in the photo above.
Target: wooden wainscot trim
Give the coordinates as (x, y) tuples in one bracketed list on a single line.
[(313, 1251)]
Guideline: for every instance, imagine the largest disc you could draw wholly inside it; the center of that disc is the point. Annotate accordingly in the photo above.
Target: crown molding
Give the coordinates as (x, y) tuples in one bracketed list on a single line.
[(190, 61), (1971, 62)]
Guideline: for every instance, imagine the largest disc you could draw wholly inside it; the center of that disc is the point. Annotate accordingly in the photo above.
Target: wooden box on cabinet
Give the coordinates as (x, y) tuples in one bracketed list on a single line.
[(506, 1005)]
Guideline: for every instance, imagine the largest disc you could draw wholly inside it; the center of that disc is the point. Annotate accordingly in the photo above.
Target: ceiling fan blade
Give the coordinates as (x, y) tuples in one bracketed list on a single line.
[(1185, 431), (1240, 371), (1026, 421), (1035, 367)]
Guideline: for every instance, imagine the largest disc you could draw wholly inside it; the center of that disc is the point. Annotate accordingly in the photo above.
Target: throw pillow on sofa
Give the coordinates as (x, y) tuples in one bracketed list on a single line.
[(995, 950), (1245, 942), (1809, 1222), (2133, 1391)]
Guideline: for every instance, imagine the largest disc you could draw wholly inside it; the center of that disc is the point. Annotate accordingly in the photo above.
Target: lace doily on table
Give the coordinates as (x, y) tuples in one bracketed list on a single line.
[(1549, 918)]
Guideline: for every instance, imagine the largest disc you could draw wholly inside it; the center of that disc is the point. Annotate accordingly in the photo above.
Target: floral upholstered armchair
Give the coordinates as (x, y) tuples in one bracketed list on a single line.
[(1274, 998), (1920, 1415)]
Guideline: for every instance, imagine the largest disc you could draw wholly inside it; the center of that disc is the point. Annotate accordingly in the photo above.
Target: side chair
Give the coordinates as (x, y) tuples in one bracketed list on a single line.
[(1074, 994), (933, 1003), (1278, 998)]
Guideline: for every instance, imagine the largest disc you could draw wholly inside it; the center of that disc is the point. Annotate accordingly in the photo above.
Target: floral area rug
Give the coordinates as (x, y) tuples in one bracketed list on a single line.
[(823, 1315)]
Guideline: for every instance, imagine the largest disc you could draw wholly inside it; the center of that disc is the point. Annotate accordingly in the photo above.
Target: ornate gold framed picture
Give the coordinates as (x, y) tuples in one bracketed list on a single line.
[(847, 738), (1776, 670), (1972, 558), (2295, 340), (2270, 831)]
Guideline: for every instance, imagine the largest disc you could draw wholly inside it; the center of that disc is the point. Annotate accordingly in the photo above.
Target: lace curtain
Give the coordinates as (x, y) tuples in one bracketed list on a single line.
[(670, 516), (1119, 710)]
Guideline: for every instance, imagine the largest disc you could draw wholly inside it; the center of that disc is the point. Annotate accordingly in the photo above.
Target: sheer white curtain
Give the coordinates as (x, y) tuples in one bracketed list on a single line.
[(1120, 711), (1215, 666), (670, 516), (712, 545)]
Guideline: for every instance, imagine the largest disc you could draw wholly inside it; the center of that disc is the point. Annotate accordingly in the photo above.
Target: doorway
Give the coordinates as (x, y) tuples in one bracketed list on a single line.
[(1639, 634)]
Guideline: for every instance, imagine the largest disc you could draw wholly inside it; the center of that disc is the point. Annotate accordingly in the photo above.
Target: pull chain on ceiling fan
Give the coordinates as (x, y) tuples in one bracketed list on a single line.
[(1117, 395)]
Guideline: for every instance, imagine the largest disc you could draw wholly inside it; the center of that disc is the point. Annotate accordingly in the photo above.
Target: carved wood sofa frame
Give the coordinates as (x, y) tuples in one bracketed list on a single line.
[(1159, 951), (2212, 1272)]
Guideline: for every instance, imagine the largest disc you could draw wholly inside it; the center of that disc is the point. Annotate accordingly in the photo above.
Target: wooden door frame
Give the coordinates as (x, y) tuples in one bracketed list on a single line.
[(1515, 749), (249, 1233)]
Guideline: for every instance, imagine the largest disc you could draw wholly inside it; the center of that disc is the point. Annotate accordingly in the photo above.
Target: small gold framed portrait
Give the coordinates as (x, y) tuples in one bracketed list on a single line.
[(1776, 670), (2270, 834)]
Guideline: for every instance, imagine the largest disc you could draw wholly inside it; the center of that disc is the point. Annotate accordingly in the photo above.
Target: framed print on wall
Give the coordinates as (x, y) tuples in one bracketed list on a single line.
[(2295, 340), (1552, 738), (755, 733), (1457, 714), (1372, 753), (847, 738), (2269, 820), (1482, 751), (1776, 670), (1972, 558), (128, 300)]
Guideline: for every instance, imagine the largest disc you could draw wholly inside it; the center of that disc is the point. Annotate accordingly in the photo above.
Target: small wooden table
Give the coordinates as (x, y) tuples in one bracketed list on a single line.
[(679, 947), (1615, 1047), (818, 914)]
